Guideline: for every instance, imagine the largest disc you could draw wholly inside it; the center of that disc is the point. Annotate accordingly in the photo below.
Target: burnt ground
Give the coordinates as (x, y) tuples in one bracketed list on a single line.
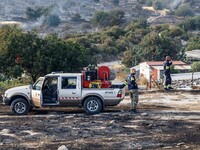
[(163, 121)]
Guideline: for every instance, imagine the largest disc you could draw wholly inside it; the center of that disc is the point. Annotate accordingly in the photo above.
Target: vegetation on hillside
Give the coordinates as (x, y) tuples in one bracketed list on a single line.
[(184, 10), (135, 42), (51, 20), (131, 42), (108, 19)]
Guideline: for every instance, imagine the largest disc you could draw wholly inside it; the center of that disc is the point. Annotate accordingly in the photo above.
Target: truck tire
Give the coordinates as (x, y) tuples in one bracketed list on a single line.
[(92, 105), (20, 106)]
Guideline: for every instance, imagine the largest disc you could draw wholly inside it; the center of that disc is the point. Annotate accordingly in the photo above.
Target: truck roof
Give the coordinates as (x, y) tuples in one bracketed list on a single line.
[(64, 74)]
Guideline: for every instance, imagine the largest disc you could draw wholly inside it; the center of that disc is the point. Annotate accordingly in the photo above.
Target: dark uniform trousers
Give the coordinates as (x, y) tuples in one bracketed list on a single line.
[(167, 81)]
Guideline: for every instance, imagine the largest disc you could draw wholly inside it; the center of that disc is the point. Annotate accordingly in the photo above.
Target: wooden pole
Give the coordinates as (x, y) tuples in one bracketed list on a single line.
[(192, 78), (150, 81), (156, 83)]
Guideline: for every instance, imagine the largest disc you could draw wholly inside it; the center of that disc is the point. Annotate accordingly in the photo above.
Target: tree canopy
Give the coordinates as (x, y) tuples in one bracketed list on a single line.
[(111, 18), (191, 23), (194, 43), (195, 66), (134, 43), (28, 53)]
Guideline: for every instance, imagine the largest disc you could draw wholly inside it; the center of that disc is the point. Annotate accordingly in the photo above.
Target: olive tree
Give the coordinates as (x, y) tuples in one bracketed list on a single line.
[(26, 52), (195, 66)]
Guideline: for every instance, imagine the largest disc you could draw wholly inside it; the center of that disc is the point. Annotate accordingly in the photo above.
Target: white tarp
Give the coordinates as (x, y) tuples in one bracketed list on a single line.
[(193, 54), (185, 76)]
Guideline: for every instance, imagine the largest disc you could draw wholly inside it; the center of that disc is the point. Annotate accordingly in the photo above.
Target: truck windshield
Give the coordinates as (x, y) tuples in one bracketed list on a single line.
[(38, 84)]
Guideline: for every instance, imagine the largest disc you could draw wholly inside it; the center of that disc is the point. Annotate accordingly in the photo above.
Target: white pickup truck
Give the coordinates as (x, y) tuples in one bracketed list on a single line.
[(62, 90)]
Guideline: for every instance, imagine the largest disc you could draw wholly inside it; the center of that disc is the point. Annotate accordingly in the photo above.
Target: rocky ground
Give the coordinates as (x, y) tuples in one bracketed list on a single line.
[(165, 120)]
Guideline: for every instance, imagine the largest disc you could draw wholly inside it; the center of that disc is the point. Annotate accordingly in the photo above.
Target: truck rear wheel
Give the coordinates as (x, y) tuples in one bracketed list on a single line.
[(92, 105), (20, 106)]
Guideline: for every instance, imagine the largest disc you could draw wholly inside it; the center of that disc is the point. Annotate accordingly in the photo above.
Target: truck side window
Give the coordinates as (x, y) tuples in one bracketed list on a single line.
[(51, 83), (69, 82), (37, 85)]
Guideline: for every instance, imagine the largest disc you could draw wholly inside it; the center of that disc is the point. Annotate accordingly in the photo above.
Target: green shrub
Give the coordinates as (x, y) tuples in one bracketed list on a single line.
[(184, 10), (157, 5), (195, 66), (53, 20)]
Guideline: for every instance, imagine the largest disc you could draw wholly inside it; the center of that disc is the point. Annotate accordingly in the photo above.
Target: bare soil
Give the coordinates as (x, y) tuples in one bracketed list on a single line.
[(164, 121)]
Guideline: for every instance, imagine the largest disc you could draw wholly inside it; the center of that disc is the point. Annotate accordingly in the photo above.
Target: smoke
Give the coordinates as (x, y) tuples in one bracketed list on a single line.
[(175, 4), (55, 8), (33, 25), (58, 8)]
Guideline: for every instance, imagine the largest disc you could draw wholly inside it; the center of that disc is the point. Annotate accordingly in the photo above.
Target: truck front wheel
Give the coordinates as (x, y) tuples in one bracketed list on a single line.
[(20, 106), (92, 105)]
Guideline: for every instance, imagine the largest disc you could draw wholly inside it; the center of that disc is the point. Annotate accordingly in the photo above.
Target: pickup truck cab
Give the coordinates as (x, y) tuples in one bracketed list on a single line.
[(62, 90)]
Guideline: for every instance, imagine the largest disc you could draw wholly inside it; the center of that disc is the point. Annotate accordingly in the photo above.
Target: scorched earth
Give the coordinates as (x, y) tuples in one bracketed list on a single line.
[(165, 120)]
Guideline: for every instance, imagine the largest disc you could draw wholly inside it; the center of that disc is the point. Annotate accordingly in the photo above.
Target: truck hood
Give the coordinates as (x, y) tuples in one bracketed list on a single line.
[(19, 89), (24, 90)]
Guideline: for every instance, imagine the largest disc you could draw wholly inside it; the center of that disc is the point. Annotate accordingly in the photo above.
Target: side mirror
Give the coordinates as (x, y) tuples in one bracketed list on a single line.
[(30, 86)]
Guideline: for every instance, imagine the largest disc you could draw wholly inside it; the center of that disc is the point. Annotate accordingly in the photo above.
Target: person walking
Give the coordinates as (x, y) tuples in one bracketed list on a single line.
[(167, 76), (133, 89)]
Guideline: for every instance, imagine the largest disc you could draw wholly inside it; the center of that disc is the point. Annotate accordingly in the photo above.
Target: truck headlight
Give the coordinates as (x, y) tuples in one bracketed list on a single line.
[(5, 95)]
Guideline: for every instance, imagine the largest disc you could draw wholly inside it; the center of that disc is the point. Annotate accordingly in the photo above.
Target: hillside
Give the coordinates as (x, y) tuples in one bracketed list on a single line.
[(68, 10), (13, 10)]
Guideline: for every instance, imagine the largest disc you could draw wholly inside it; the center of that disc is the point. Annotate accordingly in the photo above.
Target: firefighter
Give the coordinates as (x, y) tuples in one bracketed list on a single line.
[(133, 89), (167, 77)]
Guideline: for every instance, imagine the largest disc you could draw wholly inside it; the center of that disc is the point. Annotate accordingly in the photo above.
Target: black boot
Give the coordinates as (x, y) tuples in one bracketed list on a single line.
[(133, 110)]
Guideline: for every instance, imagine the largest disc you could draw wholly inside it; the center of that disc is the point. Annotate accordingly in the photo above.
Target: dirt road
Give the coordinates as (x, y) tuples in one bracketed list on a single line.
[(164, 121)]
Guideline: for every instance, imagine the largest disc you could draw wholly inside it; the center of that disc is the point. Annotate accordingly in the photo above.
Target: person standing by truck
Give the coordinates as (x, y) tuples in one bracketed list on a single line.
[(133, 89), (167, 76)]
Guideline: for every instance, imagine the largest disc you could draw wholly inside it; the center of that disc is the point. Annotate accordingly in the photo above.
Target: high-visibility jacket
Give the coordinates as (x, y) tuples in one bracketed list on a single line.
[(166, 67), (131, 81)]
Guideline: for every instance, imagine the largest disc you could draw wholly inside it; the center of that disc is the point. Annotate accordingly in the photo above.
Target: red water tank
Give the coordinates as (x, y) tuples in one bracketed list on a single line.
[(103, 73)]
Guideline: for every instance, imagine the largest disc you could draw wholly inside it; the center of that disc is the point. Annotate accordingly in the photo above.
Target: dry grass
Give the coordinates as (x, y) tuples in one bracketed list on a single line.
[(120, 73), (143, 81), (161, 12)]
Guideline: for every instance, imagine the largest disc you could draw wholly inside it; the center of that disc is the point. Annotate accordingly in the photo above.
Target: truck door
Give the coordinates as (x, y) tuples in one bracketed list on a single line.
[(50, 91), (36, 92), (70, 91)]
